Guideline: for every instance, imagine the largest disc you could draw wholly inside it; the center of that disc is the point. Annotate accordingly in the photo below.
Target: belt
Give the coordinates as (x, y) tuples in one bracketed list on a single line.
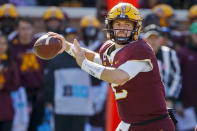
[(149, 121)]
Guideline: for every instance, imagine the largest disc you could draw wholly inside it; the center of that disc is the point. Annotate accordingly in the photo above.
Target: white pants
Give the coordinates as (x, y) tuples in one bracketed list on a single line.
[(123, 126)]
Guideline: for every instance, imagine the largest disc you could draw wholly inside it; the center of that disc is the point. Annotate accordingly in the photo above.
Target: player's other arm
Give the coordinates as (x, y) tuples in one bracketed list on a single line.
[(119, 75), (92, 65), (90, 55), (113, 75), (108, 74)]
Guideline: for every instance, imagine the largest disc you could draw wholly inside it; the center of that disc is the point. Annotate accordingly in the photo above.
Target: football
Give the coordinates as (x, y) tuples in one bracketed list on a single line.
[(47, 47)]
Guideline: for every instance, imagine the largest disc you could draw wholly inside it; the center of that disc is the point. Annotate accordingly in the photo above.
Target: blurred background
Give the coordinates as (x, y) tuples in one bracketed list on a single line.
[(55, 95)]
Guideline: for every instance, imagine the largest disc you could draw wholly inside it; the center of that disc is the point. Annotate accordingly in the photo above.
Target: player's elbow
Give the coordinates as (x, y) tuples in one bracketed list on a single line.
[(121, 80)]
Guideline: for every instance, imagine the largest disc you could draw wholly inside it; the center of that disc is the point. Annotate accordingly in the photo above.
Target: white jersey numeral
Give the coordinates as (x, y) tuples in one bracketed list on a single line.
[(119, 95)]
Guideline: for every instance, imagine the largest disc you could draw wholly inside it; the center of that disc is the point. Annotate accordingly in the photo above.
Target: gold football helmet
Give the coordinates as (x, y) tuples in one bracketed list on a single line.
[(163, 11), (87, 21), (125, 11), (53, 12), (90, 27), (193, 12), (8, 10)]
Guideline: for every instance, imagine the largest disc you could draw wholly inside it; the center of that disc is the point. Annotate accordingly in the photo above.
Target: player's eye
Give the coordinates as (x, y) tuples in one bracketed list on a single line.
[(128, 25), (118, 24)]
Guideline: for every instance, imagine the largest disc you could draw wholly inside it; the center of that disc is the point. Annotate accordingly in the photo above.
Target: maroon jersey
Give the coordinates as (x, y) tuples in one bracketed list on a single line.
[(141, 98), (30, 67)]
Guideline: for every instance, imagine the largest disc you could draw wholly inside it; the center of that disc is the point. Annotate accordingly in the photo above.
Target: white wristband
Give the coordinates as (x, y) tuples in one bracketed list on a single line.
[(70, 52), (92, 68)]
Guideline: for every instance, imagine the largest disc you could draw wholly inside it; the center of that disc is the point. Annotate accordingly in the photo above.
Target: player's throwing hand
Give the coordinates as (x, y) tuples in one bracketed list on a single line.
[(65, 43), (78, 52)]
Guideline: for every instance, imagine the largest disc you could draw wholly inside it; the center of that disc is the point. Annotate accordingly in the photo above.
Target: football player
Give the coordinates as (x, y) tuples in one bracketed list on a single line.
[(54, 18), (131, 68), (8, 16), (166, 15)]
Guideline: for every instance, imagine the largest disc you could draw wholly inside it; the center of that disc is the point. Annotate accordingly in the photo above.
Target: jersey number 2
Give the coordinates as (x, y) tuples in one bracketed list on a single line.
[(119, 95)]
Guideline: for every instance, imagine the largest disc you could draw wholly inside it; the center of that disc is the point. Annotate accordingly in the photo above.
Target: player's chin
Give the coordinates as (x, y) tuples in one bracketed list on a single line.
[(121, 35)]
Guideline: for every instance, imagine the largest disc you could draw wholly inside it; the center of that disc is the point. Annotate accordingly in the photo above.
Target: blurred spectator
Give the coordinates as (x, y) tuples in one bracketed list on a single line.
[(30, 67), (9, 81), (70, 34), (91, 29), (151, 19), (68, 91), (8, 15), (166, 37), (167, 61), (193, 14), (188, 62), (91, 33), (174, 39), (148, 3), (54, 18), (166, 15)]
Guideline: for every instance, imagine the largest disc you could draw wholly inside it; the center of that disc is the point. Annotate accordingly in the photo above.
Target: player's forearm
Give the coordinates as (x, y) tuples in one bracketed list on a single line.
[(113, 75), (90, 55), (108, 74), (69, 49)]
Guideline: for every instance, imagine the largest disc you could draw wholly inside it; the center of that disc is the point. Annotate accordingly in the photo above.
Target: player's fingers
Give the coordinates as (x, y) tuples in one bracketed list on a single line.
[(60, 37), (51, 33), (76, 45), (74, 53)]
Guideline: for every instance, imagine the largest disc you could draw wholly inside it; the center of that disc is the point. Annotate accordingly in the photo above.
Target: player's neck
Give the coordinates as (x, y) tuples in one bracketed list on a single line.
[(119, 46)]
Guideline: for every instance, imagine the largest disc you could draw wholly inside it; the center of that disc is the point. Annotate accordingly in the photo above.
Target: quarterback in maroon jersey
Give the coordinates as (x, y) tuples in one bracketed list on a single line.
[(130, 66)]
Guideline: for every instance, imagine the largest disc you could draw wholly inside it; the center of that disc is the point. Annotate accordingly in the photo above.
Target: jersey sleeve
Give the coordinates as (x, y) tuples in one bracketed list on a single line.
[(137, 58), (133, 67)]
